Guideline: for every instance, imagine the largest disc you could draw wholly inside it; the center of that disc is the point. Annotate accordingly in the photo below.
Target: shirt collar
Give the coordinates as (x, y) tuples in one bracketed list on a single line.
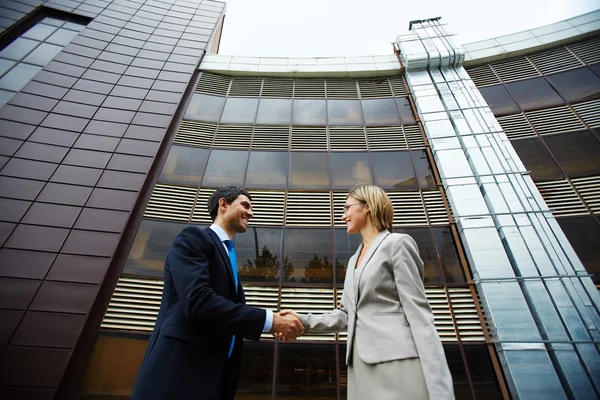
[(220, 232)]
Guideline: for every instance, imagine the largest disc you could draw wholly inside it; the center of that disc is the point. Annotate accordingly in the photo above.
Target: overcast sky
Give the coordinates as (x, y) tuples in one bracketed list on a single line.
[(327, 28)]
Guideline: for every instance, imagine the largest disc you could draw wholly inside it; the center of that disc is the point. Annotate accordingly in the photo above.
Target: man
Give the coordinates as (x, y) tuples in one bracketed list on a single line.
[(196, 347)]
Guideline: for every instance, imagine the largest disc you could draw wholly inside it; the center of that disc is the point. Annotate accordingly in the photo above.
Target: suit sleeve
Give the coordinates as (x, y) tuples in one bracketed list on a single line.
[(335, 321), (189, 268), (408, 273)]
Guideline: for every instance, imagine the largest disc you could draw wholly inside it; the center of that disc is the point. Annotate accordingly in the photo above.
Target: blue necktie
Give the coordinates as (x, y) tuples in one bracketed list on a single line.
[(233, 260)]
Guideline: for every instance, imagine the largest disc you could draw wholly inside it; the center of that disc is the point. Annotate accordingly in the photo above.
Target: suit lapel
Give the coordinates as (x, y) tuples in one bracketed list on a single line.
[(224, 256), (363, 264)]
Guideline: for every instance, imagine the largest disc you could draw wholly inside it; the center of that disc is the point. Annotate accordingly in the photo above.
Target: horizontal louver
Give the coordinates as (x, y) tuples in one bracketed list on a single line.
[(398, 86), (588, 51), (386, 138), (245, 87), (171, 202), (589, 189), (436, 210), (341, 88), (268, 207), (195, 134), (339, 199), (438, 300), (278, 87), (554, 120), (466, 316), (414, 137), (308, 209), (516, 126), (306, 300), (561, 198), (513, 70), (483, 76), (408, 208), (233, 136), (347, 139), (306, 138), (589, 112), (375, 88), (200, 213), (314, 88), (213, 84), (556, 60), (271, 137)]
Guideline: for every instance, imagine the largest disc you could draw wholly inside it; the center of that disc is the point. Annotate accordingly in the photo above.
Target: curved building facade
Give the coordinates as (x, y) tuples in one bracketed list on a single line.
[(488, 151)]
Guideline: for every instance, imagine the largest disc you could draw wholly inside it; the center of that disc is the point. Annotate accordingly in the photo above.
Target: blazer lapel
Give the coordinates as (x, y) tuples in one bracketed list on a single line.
[(221, 249), (361, 268)]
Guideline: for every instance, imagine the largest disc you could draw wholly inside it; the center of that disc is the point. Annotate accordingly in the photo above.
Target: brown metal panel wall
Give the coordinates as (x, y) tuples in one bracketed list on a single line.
[(78, 143)]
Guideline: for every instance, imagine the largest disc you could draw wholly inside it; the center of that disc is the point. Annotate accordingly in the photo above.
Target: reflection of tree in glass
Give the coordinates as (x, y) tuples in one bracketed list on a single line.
[(319, 270), (266, 265)]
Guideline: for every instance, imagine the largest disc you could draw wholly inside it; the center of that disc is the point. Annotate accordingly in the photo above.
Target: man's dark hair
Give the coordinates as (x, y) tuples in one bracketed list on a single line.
[(229, 193)]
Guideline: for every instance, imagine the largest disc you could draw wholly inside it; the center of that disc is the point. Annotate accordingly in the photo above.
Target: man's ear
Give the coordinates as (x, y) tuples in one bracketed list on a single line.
[(223, 203)]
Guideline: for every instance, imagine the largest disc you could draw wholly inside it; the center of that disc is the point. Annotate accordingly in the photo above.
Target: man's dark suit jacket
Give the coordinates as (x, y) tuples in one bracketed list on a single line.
[(199, 312)]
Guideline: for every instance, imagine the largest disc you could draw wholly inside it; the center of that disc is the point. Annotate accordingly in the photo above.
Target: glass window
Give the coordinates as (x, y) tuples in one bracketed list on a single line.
[(5, 65), (482, 372), (536, 158), (576, 85), (205, 108), (458, 371), (422, 236), (309, 112), (256, 372), (595, 68), (309, 170), (274, 111), (499, 100), (225, 168), (258, 254), (345, 247), (406, 115), (380, 112), (308, 253), (184, 165), (534, 93), (239, 111), (423, 169), (584, 235), (5, 96), (267, 170), (577, 153), (18, 49), (349, 169), (344, 112), (307, 371), (40, 32), (43, 54), (62, 37), (18, 77), (393, 170), (150, 247), (446, 248)]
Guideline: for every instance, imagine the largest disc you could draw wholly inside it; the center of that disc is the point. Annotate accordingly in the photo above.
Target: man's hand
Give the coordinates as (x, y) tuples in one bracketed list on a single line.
[(286, 326)]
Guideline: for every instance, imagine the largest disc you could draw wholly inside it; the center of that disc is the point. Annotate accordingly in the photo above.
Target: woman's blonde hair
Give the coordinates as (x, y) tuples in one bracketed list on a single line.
[(382, 210)]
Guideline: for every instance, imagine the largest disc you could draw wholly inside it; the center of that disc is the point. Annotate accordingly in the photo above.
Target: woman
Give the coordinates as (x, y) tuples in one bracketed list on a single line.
[(393, 349)]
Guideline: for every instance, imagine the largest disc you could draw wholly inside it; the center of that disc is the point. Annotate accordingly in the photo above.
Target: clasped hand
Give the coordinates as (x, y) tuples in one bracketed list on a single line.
[(286, 326)]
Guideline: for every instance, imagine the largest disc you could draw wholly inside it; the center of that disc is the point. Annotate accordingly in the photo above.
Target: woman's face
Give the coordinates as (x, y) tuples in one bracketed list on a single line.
[(355, 215)]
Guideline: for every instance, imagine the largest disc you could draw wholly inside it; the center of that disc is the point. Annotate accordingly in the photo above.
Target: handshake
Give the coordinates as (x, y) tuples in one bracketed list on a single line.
[(286, 325)]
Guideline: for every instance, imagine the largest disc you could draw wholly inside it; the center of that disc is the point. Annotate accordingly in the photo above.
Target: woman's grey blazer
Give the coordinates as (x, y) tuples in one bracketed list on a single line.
[(390, 319)]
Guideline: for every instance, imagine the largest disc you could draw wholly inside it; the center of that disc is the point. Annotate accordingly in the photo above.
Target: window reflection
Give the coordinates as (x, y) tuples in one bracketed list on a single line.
[(309, 112), (584, 235), (393, 170), (536, 158), (18, 77), (499, 100), (307, 371), (259, 255), (446, 247), (309, 170), (184, 165), (39, 32), (239, 111), (349, 169), (576, 85), (205, 108), (380, 112), (274, 111), (225, 168), (344, 112), (152, 242), (345, 247), (256, 378), (534, 93), (423, 169), (267, 170), (577, 153), (18, 49), (406, 115), (422, 237), (62, 37), (43, 54), (309, 254)]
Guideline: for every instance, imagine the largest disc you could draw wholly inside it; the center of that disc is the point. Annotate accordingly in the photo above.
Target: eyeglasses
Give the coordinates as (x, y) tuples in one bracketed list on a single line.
[(347, 206)]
